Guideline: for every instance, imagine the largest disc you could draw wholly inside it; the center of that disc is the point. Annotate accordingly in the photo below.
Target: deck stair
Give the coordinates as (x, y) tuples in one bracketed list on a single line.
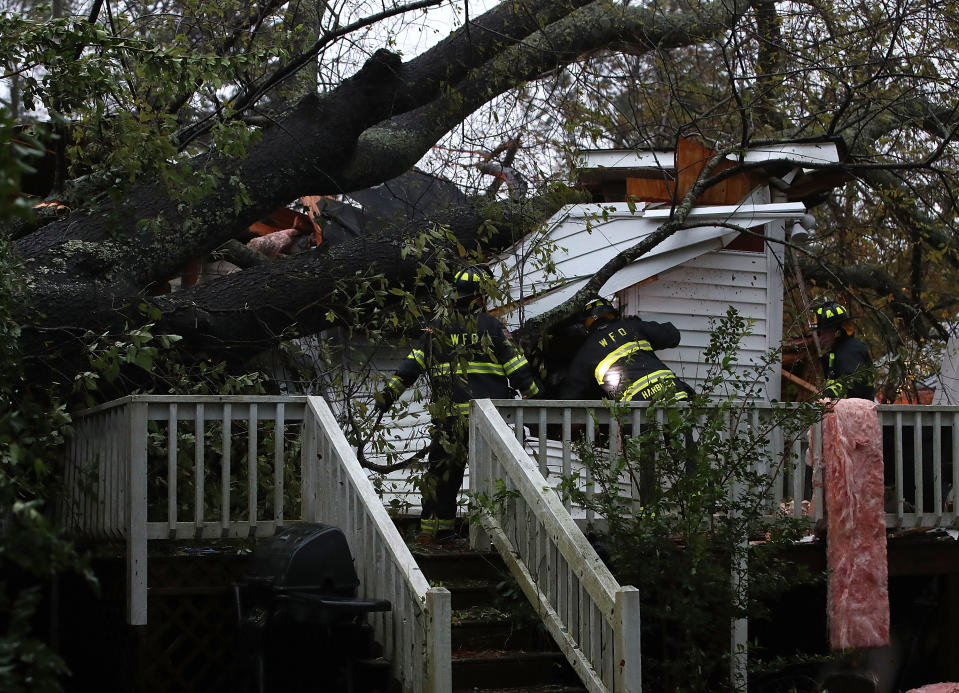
[(498, 643)]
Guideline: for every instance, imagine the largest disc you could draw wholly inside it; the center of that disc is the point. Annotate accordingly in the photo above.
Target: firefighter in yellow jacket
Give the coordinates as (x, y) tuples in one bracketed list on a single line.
[(471, 355)]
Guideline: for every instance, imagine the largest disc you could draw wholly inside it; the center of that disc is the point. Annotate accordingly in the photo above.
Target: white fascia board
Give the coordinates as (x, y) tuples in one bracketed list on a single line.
[(798, 153), (621, 210), (745, 214), (599, 213), (815, 153), (625, 158)]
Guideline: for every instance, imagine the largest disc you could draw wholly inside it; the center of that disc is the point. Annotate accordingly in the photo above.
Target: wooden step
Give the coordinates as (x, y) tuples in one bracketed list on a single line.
[(492, 649), (371, 675), (491, 633), (499, 670), (472, 594), (544, 688), (441, 565)]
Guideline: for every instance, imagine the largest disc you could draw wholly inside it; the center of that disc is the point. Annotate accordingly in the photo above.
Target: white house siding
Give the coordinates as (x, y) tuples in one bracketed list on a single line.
[(702, 290)]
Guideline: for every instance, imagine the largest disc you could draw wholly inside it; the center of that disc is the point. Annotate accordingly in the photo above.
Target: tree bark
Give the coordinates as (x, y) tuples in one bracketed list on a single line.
[(90, 270)]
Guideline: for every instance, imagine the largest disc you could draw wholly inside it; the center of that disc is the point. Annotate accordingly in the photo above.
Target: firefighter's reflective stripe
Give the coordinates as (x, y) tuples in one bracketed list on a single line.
[(834, 388), (462, 408), (396, 384), (620, 353), (474, 367), (514, 364), (418, 356), (433, 525), (650, 385)]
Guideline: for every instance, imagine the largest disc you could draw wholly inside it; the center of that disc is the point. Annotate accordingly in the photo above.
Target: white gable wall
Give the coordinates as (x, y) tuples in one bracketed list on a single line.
[(703, 289), (582, 238)]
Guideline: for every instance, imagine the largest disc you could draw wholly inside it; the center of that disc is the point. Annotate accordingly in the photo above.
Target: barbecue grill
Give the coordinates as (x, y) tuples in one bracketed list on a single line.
[(302, 627)]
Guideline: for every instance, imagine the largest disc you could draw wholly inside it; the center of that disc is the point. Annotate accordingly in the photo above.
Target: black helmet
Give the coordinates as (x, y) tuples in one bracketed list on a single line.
[(468, 282), (829, 315), (597, 308)]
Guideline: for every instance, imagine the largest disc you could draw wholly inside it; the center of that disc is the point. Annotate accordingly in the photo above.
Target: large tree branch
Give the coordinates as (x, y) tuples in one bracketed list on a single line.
[(250, 310), (423, 77), (312, 152), (402, 140)]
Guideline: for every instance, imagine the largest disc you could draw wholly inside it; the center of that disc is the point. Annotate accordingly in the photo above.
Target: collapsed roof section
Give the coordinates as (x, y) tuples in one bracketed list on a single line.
[(546, 268), (795, 171)]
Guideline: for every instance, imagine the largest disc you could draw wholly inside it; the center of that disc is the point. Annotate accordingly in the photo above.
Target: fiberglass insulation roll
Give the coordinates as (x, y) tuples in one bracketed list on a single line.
[(857, 597)]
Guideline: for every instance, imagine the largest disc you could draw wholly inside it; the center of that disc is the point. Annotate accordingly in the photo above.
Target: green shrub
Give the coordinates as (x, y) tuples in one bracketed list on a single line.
[(684, 541)]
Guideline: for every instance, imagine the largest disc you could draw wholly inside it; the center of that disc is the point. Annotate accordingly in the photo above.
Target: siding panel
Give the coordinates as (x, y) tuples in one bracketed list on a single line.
[(701, 290)]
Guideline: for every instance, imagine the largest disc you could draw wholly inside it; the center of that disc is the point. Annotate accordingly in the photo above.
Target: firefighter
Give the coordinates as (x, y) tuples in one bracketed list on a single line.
[(618, 358), (846, 363), (618, 361), (471, 355)]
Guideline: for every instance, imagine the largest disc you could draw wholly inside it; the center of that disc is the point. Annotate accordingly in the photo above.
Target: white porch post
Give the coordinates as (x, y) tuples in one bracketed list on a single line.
[(439, 657), (628, 652), (136, 513)]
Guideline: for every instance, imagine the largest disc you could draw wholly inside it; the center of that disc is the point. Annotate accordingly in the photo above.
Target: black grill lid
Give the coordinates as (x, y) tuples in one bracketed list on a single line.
[(309, 556)]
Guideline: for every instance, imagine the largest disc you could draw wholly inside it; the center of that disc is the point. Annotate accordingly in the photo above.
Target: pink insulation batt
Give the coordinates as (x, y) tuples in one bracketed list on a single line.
[(937, 688), (276, 243), (857, 598)]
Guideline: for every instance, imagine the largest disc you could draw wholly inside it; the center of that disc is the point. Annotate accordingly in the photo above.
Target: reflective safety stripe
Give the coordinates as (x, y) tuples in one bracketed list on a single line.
[(474, 367), (418, 356), (650, 385), (834, 388), (462, 408), (621, 352), (396, 384), (434, 524), (514, 364), (479, 367), (532, 390)]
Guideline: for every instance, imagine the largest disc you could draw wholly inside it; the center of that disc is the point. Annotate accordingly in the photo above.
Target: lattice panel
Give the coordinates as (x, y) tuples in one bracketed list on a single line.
[(191, 641), (195, 572), (191, 644)]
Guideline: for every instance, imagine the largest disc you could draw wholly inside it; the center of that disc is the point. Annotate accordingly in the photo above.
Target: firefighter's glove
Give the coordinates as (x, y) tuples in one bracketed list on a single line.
[(384, 400)]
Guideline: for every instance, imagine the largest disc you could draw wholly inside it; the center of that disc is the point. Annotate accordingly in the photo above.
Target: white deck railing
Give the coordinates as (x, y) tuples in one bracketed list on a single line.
[(593, 619), (920, 495), (910, 434), (178, 467), (521, 450), (155, 467)]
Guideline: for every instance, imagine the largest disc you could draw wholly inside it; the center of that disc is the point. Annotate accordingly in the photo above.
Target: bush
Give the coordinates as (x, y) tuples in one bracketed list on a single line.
[(685, 541)]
